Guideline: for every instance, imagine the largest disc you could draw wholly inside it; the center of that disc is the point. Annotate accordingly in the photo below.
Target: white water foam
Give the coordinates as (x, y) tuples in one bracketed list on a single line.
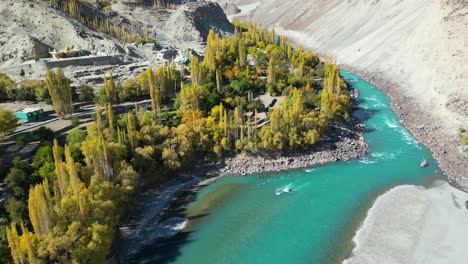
[(179, 226), (409, 138), (367, 160), (375, 157), (391, 123), (375, 102)]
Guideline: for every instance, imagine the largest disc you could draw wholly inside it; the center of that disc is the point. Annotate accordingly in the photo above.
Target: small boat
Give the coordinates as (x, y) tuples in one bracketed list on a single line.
[(424, 164), (279, 191)]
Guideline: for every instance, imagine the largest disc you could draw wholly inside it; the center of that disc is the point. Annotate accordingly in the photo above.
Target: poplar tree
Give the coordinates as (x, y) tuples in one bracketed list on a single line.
[(110, 120), (60, 170), (110, 88), (218, 81), (165, 76), (99, 125), (60, 93), (242, 55), (15, 245), (155, 92), (40, 208), (27, 238), (271, 71), (74, 10), (131, 131), (198, 71)]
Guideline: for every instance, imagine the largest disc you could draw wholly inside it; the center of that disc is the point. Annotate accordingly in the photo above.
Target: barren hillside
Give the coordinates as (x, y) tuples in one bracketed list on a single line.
[(30, 28), (417, 45)]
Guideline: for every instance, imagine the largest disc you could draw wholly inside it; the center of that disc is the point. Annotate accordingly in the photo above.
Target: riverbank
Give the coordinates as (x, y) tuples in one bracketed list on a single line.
[(443, 144), (143, 226), (344, 142), (431, 229)]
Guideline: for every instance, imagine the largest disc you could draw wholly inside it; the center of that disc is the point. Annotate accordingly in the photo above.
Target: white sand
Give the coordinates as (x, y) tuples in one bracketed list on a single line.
[(412, 224)]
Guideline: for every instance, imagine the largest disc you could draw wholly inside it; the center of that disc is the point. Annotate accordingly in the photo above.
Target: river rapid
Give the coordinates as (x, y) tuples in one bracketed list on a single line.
[(239, 219)]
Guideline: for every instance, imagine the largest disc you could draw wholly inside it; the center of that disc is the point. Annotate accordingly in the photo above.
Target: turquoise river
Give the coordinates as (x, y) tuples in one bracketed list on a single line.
[(239, 219)]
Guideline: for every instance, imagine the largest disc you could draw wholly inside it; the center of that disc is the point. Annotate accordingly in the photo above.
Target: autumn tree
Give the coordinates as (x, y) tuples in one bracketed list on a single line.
[(271, 71), (155, 92), (15, 245), (110, 88), (198, 71), (60, 93)]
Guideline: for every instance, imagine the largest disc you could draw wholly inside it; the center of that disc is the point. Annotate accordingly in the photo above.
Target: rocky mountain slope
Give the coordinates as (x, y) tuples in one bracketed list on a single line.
[(417, 48), (30, 28), (185, 27)]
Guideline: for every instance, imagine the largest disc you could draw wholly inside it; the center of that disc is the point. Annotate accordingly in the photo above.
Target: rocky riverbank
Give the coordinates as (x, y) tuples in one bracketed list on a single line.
[(343, 142), (445, 145), (342, 150)]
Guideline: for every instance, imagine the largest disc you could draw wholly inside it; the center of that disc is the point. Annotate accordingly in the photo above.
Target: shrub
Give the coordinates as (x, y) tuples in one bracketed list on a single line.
[(8, 121), (5, 84), (85, 93), (76, 137), (43, 134), (463, 137), (21, 140), (75, 121)]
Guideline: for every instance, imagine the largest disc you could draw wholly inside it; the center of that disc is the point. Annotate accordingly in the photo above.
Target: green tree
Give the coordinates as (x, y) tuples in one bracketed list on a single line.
[(60, 93), (17, 180), (43, 163), (8, 121), (5, 84), (85, 93), (16, 210)]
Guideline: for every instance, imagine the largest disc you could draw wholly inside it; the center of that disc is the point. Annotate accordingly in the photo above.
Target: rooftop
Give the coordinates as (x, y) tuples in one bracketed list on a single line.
[(28, 110)]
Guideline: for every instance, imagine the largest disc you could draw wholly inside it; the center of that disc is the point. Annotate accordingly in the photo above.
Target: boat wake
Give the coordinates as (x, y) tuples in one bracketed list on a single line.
[(285, 189), (391, 123)]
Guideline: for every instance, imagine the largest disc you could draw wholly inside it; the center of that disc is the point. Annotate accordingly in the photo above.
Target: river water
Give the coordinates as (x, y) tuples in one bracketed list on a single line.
[(239, 219)]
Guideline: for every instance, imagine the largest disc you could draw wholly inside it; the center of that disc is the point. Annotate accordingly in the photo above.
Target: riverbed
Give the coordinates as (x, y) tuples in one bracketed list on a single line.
[(241, 220)]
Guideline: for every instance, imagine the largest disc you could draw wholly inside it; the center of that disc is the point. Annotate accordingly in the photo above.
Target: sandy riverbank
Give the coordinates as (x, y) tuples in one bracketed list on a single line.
[(443, 144), (431, 228)]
